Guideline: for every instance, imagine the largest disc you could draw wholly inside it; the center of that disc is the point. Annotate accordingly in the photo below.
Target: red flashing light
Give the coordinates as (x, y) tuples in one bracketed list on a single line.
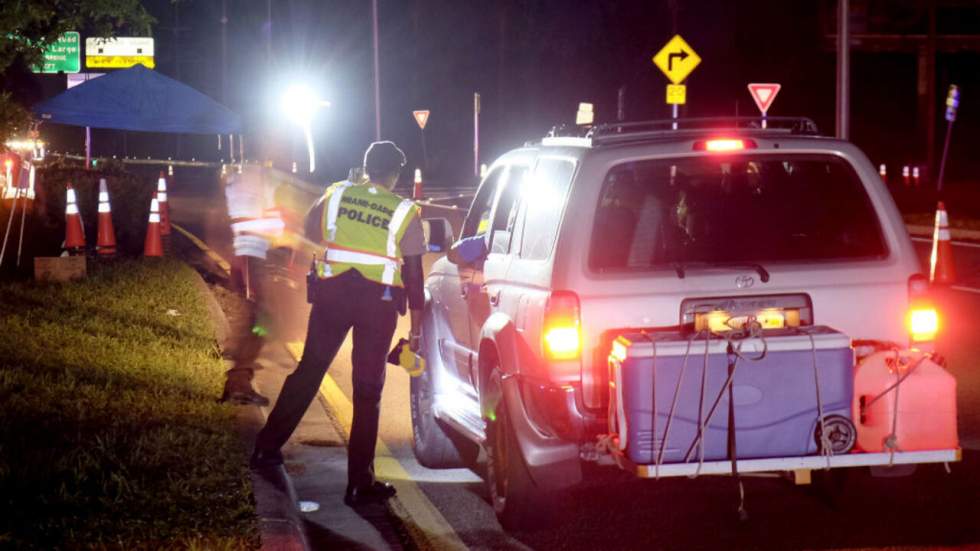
[(922, 318), (723, 145)]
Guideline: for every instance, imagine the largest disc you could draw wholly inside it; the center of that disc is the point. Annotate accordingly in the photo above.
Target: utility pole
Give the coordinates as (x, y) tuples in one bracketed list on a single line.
[(268, 39), (843, 70), (377, 73), (224, 51), (476, 134), (930, 110), (176, 47)]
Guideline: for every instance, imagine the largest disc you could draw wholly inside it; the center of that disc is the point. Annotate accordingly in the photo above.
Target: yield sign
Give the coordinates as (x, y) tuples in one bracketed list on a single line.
[(763, 94), (421, 117)]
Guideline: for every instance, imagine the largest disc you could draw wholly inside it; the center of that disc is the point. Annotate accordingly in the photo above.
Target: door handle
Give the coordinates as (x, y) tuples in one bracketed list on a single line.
[(495, 298)]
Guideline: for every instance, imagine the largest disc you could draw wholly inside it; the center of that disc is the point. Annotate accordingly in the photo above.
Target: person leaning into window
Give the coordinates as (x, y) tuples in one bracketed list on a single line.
[(371, 266)]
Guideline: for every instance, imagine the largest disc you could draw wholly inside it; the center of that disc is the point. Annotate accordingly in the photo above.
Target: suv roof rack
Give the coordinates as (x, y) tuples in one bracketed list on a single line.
[(619, 132)]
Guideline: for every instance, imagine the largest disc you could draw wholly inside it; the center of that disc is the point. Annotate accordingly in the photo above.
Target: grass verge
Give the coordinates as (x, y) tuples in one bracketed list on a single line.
[(110, 436)]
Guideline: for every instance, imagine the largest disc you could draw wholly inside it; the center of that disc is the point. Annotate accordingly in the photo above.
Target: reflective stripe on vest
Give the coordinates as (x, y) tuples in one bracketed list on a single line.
[(250, 245), (397, 219), (333, 207)]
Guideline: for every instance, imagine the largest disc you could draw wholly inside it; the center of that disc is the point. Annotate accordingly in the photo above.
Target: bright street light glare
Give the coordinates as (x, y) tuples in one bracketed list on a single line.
[(300, 104)]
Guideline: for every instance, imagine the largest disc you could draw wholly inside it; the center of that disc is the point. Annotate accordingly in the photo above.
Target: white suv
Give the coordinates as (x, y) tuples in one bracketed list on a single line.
[(633, 227)]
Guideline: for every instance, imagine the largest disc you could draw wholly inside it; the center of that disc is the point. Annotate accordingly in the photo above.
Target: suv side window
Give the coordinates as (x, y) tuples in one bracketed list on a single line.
[(505, 215), (478, 220), (544, 194)]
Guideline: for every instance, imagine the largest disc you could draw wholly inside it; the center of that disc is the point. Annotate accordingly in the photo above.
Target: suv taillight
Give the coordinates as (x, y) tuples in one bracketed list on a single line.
[(561, 338), (561, 335), (922, 318)]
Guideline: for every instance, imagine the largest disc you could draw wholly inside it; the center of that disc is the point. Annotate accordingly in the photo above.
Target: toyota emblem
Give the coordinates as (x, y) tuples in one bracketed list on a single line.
[(744, 281)]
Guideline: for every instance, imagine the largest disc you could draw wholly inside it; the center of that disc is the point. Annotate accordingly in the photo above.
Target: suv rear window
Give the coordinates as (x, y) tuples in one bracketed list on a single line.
[(743, 209)]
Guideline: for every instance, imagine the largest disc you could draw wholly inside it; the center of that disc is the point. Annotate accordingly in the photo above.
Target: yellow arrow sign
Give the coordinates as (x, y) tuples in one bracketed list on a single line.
[(677, 59)]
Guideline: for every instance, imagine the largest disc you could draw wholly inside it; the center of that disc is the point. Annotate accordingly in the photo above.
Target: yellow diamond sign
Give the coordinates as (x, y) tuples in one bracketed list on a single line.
[(677, 59)]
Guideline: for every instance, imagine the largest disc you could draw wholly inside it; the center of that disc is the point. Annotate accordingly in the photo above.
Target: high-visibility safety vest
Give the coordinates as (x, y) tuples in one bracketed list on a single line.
[(363, 225), (253, 223)]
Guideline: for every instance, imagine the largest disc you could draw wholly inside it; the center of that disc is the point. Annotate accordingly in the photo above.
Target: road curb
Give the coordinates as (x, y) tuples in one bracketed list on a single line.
[(280, 524)]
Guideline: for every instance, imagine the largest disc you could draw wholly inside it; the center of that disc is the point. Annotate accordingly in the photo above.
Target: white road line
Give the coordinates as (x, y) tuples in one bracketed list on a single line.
[(955, 243), (973, 290)]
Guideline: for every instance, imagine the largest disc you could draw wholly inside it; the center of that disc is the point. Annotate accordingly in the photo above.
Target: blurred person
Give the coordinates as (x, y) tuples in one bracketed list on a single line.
[(249, 198), (371, 266)]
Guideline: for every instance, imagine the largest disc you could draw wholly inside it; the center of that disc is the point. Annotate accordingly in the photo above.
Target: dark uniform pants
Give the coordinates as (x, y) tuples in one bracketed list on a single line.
[(247, 279), (340, 304)]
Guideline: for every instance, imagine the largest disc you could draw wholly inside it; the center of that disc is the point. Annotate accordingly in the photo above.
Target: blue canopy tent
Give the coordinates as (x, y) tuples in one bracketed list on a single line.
[(142, 100)]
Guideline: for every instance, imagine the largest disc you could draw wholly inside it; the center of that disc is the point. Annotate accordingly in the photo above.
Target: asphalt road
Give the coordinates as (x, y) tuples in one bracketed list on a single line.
[(613, 510)]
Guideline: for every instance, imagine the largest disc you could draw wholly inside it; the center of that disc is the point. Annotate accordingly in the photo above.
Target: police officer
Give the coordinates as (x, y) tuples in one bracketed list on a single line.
[(372, 266)]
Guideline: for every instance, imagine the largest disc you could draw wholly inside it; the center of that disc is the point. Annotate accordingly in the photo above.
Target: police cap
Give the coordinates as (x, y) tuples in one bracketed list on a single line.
[(383, 158)]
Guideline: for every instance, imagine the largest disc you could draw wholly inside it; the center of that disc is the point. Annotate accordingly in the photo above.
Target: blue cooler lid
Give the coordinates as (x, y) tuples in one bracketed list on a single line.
[(675, 343)]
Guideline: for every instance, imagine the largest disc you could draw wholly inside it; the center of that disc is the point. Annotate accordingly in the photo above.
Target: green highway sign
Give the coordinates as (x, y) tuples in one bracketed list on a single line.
[(64, 56)]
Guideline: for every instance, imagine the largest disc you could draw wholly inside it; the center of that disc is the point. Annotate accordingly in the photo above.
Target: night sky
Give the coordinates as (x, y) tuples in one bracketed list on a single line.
[(533, 61)]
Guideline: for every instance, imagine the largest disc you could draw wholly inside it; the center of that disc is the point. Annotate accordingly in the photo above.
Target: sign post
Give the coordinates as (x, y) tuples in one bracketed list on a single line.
[(676, 60), (422, 118), (763, 93), (952, 104), (80, 78), (476, 134)]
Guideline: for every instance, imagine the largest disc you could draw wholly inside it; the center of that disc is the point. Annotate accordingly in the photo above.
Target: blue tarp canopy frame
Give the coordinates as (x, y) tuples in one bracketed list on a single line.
[(142, 100)]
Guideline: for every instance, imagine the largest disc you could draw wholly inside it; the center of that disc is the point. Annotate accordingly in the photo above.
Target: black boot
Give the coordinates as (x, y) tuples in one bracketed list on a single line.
[(376, 492)]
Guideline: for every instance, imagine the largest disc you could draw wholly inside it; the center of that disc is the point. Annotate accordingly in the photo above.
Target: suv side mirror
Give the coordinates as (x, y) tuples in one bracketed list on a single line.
[(438, 234)]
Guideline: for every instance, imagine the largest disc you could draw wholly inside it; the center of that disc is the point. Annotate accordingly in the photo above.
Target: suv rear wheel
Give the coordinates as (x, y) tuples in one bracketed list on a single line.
[(516, 499)]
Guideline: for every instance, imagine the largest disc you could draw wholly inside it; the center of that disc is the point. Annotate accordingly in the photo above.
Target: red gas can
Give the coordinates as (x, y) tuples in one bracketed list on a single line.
[(907, 393)]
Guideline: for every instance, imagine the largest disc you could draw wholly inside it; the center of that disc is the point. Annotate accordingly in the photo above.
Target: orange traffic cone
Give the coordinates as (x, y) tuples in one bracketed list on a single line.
[(941, 260), (106, 241), (417, 189), (74, 234), (164, 205), (153, 246)]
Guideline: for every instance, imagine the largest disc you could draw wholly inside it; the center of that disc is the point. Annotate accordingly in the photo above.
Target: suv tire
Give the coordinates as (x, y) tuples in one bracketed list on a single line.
[(516, 499), (431, 441)]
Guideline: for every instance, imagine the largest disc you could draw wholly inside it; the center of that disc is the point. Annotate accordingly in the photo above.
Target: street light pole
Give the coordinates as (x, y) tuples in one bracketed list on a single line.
[(300, 104), (843, 70), (224, 55), (308, 133), (377, 73)]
